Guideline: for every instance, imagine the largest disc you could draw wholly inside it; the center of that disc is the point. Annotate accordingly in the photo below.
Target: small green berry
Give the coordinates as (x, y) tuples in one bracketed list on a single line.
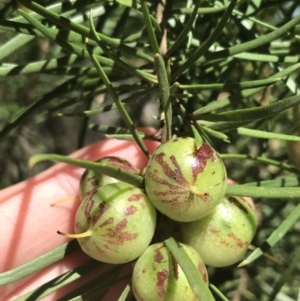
[(115, 224), (157, 276), (223, 236), (91, 180)]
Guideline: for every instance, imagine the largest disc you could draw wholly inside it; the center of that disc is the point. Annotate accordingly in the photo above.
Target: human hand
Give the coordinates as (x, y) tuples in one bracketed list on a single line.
[(28, 224)]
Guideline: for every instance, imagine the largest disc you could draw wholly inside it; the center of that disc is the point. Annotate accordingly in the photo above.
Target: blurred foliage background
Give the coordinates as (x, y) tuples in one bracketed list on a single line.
[(42, 104)]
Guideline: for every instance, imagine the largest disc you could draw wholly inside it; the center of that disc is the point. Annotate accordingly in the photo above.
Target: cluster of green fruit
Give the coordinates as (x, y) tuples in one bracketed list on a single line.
[(186, 182)]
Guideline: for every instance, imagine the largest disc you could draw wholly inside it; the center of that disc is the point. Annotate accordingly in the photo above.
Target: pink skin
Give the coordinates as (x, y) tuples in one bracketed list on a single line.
[(28, 224)]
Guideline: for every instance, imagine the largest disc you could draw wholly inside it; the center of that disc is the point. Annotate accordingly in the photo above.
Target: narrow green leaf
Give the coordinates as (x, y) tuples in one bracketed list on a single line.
[(82, 30), (290, 82), (96, 287), (131, 70), (27, 29), (266, 135), (285, 276), (197, 136), (215, 134), (265, 160), (173, 88), (264, 39), (129, 137), (62, 42), (128, 3), (108, 107), (38, 263), (58, 8), (192, 274), (151, 34), (14, 44), (202, 133), (255, 43), (126, 118), (266, 288), (89, 113), (201, 11), (155, 24), (126, 137), (58, 282), (253, 20), (187, 28), (222, 103), (97, 167), (107, 129), (233, 86), (26, 112), (71, 101), (205, 46), (14, 26), (124, 293), (255, 113), (83, 124), (79, 71), (227, 125), (280, 182), (136, 5), (270, 58), (218, 292), (39, 67), (264, 192), (164, 90), (275, 236)]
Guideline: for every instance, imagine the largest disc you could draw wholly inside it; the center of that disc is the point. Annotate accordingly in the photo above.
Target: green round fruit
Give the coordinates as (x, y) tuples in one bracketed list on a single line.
[(91, 180), (222, 237), (157, 275), (116, 223), (183, 181)]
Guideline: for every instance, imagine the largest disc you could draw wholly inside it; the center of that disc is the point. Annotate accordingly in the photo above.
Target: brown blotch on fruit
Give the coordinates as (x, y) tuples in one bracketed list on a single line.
[(93, 181), (135, 197), (87, 209), (158, 257), (238, 241), (120, 235), (99, 249), (225, 243), (103, 207), (235, 202), (213, 230), (129, 210), (167, 170), (202, 271), (201, 156), (161, 278), (175, 267), (205, 197), (159, 180), (107, 222)]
